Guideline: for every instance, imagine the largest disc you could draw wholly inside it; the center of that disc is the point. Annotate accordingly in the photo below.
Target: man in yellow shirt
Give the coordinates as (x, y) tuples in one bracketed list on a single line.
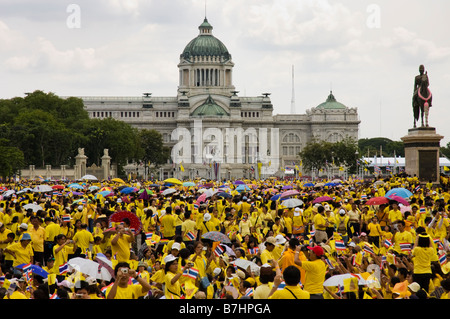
[(122, 289), (52, 230), (168, 223), (292, 289), (120, 245), (315, 270), (402, 237), (22, 251), (320, 225), (83, 238), (37, 233), (188, 228)]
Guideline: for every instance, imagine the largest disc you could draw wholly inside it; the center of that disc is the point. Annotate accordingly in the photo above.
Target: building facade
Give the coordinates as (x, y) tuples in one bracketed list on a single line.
[(216, 133)]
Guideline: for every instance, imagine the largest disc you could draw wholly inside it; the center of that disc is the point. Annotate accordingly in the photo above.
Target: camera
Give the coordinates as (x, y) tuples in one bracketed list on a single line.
[(125, 270)]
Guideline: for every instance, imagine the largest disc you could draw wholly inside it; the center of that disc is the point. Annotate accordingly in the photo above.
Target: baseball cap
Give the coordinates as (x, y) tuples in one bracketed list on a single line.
[(316, 250), (23, 226), (169, 258), (176, 246)]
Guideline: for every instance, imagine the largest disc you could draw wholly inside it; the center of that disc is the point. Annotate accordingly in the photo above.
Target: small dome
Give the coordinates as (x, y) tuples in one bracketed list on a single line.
[(331, 103), (205, 44), (209, 109)]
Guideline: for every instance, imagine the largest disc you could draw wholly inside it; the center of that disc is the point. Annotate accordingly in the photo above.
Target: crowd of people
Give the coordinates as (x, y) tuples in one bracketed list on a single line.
[(252, 239)]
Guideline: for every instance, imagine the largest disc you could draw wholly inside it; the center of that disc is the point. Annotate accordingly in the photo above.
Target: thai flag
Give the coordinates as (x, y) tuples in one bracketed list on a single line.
[(405, 246), (249, 292), (27, 268), (363, 196), (443, 258), (339, 245), (253, 251), (417, 188), (369, 249), (387, 243), (422, 210), (383, 261), (312, 232), (219, 250), (330, 265), (191, 273), (282, 285), (103, 290), (64, 268), (66, 218), (54, 296), (190, 235), (148, 236), (2, 281)]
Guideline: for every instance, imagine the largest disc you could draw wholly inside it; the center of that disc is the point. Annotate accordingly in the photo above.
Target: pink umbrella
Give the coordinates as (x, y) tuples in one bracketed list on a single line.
[(200, 199), (322, 199), (289, 193), (399, 199)]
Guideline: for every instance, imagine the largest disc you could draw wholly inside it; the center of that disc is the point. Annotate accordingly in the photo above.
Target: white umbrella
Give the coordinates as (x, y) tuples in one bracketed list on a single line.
[(8, 193), (105, 262), (34, 207), (27, 189), (89, 177), (43, 189), (338, 280), (210, 192), (244, 264), (90, 268), (169, 191), (292, 202)]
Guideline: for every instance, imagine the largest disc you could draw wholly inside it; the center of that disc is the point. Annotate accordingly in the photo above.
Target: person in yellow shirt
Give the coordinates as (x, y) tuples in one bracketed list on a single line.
[(37, 233), (315, 270), (83, 239), (61, 251), (120, 244), (244, 225), (188, 228), (292, 289), (122, 288), (22, 251), (267, 253), (394, 214), (423, 254), (375, 232), (168, 223), (320, 225), (401, 237)]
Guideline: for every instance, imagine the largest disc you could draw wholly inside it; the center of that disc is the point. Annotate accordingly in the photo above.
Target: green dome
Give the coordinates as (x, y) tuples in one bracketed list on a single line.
[(205, 44), (209, 109), (331, 104)]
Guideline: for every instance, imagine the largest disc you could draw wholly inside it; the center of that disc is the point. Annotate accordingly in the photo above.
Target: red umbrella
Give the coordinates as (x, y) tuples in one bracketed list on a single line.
[(377, 201), (58, 187), (135, 222)]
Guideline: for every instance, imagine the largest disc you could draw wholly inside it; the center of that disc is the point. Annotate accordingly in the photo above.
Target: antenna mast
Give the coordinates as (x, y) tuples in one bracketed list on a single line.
[(293, 93)]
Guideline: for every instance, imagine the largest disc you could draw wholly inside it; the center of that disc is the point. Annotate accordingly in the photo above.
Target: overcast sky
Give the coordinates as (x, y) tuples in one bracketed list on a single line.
[(367, 52)]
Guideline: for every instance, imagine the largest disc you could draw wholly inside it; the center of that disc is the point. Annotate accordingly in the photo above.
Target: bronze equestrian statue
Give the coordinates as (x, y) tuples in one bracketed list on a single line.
[(422, 97)]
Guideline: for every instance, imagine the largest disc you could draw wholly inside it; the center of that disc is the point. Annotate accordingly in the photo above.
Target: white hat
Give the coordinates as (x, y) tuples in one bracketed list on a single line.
[(24, 226), (206, 217), (80, 207), (91, 280), (342, 211), (414, 286), (169, 258), (217, 271), (176, 246), (279, 239)]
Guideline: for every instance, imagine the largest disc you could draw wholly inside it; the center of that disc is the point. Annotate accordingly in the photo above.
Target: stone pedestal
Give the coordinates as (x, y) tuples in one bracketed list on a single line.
[(422, 146)]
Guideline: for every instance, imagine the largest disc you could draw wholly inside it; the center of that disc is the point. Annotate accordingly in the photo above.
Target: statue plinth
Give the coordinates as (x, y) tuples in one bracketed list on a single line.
[(422, 147)]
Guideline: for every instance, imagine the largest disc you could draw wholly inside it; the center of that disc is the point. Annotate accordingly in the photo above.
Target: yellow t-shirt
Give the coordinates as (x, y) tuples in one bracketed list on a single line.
[(171, 291), (188, 226), (121, 250), (83, 238), (37, 238), (422, 258), (290, 292), (23, 255), (318, 219), (130, 292), (314, 276)]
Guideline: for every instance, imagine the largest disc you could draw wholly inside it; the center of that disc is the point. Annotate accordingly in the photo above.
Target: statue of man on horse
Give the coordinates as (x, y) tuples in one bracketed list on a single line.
[(422, 97)]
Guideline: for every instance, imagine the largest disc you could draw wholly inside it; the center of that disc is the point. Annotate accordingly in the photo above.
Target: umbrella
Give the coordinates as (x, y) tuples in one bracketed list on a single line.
[(89, 268), (89, 177), (128, 190), (8, 193), (188, 184), (275, 197), (292, 202), (210, 192), (319, 185), (173, 181), (402, 192), (244, 264), (309, 185), (93, 188), (242, 187), (75, 185), (336, 181), (377, 201), (330, 184), (200, 199), (228, 250), (289, 193), (35, 269), (106, 193), (217, 236), (287, 187), (399, 199), (224, 194), (118, 180), (26, 189), (42, 189), (34, 207), (58, 187), (105, 262), (135, 222), (239, 183), (322, 199), (338, 280), (169, 191)]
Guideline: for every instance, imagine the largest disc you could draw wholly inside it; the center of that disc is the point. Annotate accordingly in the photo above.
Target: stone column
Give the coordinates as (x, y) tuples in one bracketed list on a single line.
[(80, 164), (106, 164), (422, 147)]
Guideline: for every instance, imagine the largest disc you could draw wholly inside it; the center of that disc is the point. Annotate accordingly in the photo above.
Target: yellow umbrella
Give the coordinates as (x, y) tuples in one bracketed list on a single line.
[(118, 180), (173, 181)]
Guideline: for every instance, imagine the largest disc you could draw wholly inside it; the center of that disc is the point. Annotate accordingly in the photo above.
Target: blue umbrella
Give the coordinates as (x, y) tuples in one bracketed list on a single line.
[(104, 193), (128, 190), (309, 185), (330, 184), (75, 185), (188, 184), (35, 270), (401, 192), (242, 188), (275, 197), (287, 187)]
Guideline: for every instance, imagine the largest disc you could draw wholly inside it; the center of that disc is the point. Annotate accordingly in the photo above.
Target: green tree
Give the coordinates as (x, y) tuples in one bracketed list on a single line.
[(11, 159), (154, 151)]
